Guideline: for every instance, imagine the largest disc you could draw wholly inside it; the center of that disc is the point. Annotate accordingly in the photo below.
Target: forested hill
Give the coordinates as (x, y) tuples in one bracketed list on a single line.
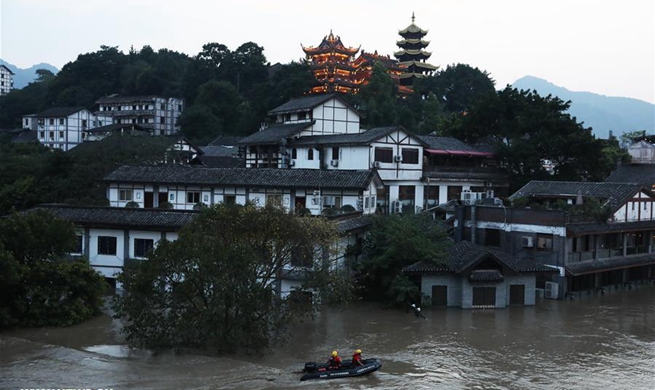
[(22, 77), (601, 113)]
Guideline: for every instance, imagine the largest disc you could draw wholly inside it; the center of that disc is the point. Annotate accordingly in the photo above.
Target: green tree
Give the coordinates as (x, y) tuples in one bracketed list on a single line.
[(393, 242), (215, 287), (39, 285), (458, 87), (378, 99)]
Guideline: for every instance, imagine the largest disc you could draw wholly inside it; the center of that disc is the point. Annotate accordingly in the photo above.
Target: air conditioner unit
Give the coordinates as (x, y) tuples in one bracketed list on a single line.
[(498, 202), (376, 164), (398, 207), (334, 163), (527, 241), (552, 290), (398, 158), (292, 163), (489, 194)]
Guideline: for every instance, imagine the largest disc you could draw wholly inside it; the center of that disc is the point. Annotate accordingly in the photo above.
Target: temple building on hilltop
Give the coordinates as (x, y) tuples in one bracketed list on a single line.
[(412, 55), (332, 65)]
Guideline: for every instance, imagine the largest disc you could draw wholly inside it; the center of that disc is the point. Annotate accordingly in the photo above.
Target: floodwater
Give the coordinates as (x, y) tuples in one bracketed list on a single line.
[(594, 342)]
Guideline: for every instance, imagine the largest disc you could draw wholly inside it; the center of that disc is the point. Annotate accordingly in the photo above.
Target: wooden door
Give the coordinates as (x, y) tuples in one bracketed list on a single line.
[(440, 296), (484, 296), (148, 200), (517, 294)]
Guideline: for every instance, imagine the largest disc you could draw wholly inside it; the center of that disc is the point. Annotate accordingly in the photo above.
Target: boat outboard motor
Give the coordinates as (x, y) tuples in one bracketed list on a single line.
[(310, 367)]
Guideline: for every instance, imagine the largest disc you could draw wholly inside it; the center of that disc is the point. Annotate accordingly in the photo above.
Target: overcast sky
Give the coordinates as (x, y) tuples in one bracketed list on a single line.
[(601, 46)]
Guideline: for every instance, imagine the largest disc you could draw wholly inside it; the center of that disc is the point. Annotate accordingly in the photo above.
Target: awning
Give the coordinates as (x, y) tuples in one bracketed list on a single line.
[(436, 151)]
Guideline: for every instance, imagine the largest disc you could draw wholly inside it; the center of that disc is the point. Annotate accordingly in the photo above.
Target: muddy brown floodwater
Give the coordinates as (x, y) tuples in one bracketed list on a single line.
[(596, 342)]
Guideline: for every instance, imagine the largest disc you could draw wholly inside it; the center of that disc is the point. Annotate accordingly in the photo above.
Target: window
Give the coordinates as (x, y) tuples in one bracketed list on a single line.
[(633, 206), (133, 120), (384, 154), (410, 156), (294, 153), (52, 135), (83, 122), (142, 246), (335, 153), (26, 122), (125, 195), (301, 258), (274, 199), (61, 121), (287, 117), (162, 120), (332, 202), (229, 199), (302, 116), (106, 245), (79, 245), (61, 134), (51, 121), (179, 107), (42, 134), (134, 107), (193, 197), (162, 106), (310, 154), (544, 243)]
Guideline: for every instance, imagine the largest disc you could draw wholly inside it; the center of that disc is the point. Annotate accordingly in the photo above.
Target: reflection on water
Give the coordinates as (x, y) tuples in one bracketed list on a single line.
[(603, 342)]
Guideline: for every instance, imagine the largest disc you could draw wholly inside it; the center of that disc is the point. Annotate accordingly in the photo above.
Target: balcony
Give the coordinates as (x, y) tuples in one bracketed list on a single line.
[(577, 257), (464, 172)]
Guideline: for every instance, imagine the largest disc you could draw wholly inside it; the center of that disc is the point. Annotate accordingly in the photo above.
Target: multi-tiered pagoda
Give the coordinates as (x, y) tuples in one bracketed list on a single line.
[(411, 56), (332, 65)]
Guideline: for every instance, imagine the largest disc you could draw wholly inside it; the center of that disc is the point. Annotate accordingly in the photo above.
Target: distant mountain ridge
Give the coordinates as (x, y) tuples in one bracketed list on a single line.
[(601, 113), (22, 77)]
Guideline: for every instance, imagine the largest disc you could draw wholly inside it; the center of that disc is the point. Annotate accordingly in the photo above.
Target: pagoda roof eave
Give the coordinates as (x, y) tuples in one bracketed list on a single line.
[(412, 41), (413, 53), (418, 64), (412, 29)]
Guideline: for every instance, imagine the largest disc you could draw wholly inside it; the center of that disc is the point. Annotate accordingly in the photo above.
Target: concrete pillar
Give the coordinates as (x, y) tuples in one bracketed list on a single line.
[(419, 199), (443, 194)]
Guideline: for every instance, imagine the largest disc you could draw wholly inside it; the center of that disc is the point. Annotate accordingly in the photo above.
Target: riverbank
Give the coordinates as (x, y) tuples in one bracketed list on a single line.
[(601, 342)]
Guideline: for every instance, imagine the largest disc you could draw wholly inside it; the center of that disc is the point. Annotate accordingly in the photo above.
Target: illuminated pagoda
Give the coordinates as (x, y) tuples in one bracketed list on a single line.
[(332, 65), (364, 69), (411, 56)]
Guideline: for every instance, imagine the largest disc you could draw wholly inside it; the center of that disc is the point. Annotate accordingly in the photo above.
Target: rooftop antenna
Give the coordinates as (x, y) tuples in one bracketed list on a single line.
[(412, 17)]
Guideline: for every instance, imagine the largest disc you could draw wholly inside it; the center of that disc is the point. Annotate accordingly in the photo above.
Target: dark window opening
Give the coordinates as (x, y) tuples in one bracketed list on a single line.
[(310, 154), (106, 245), (335, 153), (142, 246), (193, 197), (294, 153), (384, 154), (410, 156)]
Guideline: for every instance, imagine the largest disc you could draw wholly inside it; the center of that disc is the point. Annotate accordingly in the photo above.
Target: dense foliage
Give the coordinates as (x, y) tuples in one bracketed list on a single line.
[(216, 286), (39, 286), (31, 174), (230, 91), (393, 242)]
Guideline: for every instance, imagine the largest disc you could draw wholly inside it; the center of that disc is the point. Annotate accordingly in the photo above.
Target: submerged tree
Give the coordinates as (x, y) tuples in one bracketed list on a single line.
[(396, 241), (217, 287), (39, 286)]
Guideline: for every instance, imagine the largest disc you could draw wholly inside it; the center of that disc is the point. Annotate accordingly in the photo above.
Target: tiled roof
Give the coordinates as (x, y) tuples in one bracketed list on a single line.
[(225, 140), (576, 229), (305, 103), (248, 177), (219, 151), (25, 137), (122, 217), (485, 275), (465, 254), (364, 138), (643, 174), (9, 70), (59, 112), (275, 133), (222, 161), (615, 194), (128, 99), (445, 143), (115, 127), (351, 224), (585, 267)]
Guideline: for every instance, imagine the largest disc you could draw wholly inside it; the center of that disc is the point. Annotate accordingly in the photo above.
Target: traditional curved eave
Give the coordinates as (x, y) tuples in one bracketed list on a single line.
[(411, 41), (412, 29), (412, 52), (423, 65), (410, 75), (312, 51)]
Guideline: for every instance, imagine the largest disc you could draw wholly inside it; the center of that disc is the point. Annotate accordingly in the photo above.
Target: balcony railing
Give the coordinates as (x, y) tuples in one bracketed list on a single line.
[(577, 257)]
